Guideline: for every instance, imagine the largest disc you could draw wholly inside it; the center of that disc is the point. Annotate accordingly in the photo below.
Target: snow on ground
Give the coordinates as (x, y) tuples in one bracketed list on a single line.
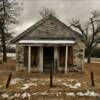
[(25, 94), (13, 55), (87, 93), (28, 95), (75, 86), (5, 95), (17, 95), (70, 94), (15, 81), (27, 85)]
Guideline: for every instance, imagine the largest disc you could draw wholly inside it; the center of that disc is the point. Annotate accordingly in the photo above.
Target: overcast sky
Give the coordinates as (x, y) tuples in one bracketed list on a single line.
[(65, 10)]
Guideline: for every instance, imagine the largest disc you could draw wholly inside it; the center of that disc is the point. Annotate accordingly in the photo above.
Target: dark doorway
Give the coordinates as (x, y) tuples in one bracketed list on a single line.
[(48, 58)]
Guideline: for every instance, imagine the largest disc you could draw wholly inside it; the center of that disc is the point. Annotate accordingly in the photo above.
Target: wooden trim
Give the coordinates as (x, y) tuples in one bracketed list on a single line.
[(66, 59), (29, 59)]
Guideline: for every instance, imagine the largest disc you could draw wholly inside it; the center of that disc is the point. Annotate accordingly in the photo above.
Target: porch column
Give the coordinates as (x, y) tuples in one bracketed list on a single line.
[(29, 59), (40, 59), (66, 59), (56, 56)]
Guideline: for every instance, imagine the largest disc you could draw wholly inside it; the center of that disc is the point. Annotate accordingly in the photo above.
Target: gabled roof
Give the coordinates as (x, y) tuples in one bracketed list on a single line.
[(47, 28)]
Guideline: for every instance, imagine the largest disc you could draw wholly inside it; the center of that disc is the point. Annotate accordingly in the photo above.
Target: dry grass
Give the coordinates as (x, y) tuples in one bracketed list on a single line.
[(73, 77)]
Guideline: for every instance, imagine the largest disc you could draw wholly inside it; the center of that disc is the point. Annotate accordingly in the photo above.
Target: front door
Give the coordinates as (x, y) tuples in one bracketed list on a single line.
[(48, 58)]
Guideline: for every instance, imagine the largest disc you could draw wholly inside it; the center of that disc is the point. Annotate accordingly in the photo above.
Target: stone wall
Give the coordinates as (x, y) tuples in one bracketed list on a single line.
[(78, 54), (19, 57)]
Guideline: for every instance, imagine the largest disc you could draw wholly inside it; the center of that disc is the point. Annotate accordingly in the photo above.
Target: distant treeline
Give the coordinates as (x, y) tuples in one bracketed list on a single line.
[(10, 50)]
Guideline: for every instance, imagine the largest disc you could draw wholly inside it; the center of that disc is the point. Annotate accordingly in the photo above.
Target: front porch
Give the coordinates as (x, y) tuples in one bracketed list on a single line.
[(42, 58), (42, 54)]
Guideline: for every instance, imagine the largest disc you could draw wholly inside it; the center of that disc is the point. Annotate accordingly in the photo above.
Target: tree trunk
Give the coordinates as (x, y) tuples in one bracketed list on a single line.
[(4, 53), (89, 59), (3, 46), (89, 55)]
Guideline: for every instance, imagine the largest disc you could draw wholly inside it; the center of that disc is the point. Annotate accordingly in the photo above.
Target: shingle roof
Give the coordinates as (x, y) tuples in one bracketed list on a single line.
[(47, 28)]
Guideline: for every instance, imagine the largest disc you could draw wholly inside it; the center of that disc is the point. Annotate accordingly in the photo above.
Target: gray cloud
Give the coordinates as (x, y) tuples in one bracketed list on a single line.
[(65, 9)]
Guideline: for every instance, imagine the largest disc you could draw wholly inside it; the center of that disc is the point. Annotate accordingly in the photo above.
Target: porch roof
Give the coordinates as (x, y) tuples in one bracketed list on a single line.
[(46, 42)]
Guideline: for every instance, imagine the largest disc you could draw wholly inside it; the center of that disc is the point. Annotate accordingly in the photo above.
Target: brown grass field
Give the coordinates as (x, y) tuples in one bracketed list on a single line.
[(41, 89)]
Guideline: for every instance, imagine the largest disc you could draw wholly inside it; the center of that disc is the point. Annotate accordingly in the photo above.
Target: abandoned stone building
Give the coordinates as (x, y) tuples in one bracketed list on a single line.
[(49, 43)]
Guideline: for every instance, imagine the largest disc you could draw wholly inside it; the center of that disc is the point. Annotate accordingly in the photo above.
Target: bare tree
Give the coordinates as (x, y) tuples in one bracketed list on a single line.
[(8, 15), (46, 11), (90, 32)]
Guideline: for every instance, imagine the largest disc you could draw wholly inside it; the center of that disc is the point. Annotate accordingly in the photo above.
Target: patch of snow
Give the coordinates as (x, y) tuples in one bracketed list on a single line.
[(70, 94), (5, 95), (80, 94), (75, 86), (15, 81), (88, 93), (65, 84), (25, 94), (11, 55), (46, 93), (26, 86), (17, 95)]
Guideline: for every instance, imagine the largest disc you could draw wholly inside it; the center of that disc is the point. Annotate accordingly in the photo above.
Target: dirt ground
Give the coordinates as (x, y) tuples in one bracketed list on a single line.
[(37, 85)]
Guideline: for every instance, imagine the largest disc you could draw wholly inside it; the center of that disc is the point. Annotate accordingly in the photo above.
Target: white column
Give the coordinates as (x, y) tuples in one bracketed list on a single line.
[(40, 59), (56, 56), (29, 59), (66, 59)]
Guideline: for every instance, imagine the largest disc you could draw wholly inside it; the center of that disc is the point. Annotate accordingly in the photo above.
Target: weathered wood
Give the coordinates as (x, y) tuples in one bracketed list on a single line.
[(92, 79), (9, 79)]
